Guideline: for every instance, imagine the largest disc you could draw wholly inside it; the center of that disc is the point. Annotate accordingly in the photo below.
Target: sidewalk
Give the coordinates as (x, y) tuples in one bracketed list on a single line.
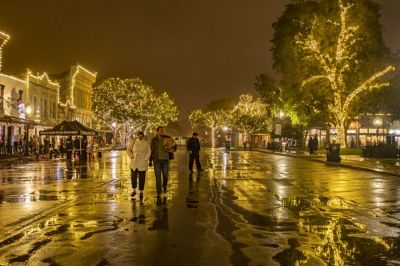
[(16, 157), (382, 166)]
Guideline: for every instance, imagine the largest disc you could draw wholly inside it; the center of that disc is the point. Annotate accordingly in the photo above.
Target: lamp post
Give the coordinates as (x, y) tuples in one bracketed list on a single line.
[(114, 126), (278, 129), (377, 122), (28, 111), (228, 137)]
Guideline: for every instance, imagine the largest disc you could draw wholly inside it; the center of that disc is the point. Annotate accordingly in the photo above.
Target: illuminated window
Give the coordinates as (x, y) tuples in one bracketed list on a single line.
[(45, 108), (1, 97)]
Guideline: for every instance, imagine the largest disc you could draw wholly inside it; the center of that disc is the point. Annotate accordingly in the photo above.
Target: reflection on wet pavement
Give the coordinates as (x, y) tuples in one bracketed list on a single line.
[(248, 208)]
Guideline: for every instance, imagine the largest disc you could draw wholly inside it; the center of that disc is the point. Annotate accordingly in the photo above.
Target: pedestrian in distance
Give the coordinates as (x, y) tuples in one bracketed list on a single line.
[(70, 147), (193, 147), (311, 145), (315, 143), (139, 151), (162, 151)]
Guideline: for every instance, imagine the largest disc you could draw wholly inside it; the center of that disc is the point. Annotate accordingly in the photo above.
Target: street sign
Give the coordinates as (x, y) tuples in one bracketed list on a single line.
[(278, 129)]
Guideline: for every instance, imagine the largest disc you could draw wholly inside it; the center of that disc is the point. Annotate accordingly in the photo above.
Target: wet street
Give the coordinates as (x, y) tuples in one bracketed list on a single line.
[(248, 208)]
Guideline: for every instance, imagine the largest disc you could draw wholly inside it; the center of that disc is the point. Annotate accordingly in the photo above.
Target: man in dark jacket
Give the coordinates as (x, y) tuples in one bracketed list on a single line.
[(193, 147), (162, 150), (70, 147)]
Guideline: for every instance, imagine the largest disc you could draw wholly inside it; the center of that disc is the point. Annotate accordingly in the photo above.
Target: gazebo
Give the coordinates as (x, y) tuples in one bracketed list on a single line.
[(68, 128)]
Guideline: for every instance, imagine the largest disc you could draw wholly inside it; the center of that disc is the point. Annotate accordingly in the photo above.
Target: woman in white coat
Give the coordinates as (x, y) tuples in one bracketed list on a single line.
[(139, 152)]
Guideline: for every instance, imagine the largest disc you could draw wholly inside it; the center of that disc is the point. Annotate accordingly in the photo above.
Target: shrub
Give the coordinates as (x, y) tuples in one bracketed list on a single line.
[(344, 151), (381, 150)]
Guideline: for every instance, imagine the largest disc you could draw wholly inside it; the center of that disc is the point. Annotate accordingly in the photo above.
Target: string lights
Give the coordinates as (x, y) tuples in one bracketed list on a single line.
[(3, 40), (132, 103), (334, 65), (73, 81)]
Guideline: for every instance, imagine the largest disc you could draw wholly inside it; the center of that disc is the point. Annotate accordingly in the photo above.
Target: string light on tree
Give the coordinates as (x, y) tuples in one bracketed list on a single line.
[(336, 64), (133, 104)]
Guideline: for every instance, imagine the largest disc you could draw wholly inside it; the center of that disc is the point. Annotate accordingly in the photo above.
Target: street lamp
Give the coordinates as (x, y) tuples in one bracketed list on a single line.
[(377, 122), (28, 111), (281, 114), (114, 126)]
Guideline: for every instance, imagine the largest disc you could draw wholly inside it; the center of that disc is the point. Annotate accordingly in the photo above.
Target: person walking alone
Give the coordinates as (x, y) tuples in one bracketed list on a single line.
[(193, 147), (139, 152), (162, 150), (311, 145)]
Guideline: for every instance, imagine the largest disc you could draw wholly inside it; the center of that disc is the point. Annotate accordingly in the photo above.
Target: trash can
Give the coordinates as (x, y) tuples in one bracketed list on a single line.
[(333, 153), (227, 145)]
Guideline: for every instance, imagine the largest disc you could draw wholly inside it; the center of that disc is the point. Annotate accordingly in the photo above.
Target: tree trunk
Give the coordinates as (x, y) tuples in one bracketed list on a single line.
[(213, 137), (328, 134), (304, 139), (341, 133), (251, 140)]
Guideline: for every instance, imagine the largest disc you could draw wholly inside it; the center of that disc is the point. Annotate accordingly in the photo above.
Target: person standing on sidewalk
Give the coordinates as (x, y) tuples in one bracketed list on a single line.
[(139, 152), (193, 147), (162, 150)]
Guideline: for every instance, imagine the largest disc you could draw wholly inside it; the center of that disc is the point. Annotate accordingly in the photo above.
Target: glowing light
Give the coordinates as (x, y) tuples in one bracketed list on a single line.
[(29, 110), (11, 77), (4, 37), (334, 66), (78, 69), (378, 122)]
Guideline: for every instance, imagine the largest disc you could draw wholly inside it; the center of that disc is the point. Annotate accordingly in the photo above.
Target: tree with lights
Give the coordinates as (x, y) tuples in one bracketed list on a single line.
[(250, 116), (133, 104), (294, 114), (329, 54), (161, 111), (212, 119)]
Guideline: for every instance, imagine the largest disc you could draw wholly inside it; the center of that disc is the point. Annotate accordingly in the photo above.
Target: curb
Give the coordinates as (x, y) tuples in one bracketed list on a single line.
[(17, 159), (349, 166)]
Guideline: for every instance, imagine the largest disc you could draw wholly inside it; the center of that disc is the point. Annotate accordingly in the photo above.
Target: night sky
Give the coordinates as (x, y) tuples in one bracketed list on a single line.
[(197, 50)]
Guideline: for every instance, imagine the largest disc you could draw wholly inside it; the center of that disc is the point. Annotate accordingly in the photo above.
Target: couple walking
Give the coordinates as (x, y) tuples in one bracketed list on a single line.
[(143, 154), (160, 151)]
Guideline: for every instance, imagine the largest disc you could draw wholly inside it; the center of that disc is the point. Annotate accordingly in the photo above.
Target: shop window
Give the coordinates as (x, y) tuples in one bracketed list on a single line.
[(1, 97)]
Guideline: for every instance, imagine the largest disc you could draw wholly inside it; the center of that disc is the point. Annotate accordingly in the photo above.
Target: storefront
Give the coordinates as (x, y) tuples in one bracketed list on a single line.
[(12, 134)]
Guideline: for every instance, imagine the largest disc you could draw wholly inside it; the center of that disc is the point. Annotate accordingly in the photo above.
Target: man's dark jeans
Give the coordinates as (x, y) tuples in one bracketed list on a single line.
[(161, 166), (194, 156)]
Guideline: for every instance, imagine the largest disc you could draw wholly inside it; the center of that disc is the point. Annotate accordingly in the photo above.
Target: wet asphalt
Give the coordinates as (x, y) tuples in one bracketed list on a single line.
[(248, 208)]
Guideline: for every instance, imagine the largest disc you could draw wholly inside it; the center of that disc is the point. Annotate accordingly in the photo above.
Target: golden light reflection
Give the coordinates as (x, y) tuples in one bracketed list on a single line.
[(378, 186)]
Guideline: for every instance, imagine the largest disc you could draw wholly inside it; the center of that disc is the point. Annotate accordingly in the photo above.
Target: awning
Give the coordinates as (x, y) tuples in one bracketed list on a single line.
[(15, 120), (69, 128)]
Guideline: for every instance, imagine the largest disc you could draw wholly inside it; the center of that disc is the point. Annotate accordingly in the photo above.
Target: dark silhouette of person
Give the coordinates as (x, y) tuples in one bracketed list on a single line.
[(84, 145), (311, 145), (315, 143), (70, 147), (193, 147)]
